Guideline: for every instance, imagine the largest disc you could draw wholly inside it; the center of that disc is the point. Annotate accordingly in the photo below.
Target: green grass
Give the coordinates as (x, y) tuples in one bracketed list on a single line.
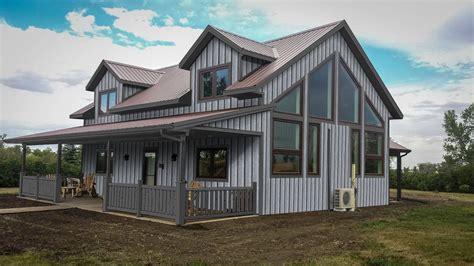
[(8, 190), (465, 197), (47, 258)]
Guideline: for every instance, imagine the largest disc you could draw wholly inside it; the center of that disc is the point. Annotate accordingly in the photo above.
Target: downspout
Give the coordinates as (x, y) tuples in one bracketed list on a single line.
[(180, 204)]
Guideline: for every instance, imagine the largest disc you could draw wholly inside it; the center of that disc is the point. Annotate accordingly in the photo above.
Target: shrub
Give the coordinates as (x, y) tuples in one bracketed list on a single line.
[(464, 188)]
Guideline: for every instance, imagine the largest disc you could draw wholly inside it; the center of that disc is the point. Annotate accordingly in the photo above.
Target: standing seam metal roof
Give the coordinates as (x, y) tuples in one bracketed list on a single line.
[(134, 74)]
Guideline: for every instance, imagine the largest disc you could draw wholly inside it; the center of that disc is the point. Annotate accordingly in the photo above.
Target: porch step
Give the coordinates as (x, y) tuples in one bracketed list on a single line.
[(33, 209)]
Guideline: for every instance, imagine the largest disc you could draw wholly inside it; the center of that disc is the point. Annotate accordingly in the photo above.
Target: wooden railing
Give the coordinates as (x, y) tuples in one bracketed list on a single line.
[(220, 202), (140, 199), (38, 187)]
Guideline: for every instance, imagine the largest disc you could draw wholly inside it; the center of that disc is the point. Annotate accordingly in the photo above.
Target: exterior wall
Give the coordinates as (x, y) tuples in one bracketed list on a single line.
[(248, 65), (129, 90)]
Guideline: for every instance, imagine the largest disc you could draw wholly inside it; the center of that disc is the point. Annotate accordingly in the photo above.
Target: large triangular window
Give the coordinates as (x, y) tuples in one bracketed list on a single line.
[(291, 102), (320, 91), (371, 116), (348, 96)]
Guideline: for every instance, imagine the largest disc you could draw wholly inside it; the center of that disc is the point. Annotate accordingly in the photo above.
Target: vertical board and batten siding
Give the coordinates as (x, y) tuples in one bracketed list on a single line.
[(107, 82), (129, 90), (248, 65), (216, 53), (296, 194)]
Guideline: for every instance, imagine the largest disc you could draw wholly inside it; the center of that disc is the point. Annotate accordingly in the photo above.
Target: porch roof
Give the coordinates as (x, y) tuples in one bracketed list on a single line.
[(142, 128)]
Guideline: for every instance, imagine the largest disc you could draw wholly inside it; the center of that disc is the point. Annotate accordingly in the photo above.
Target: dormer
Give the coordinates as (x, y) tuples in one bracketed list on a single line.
[(219, 59)]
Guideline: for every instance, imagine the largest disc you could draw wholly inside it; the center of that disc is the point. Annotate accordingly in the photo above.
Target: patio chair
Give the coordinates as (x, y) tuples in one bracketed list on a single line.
[(88, 186)]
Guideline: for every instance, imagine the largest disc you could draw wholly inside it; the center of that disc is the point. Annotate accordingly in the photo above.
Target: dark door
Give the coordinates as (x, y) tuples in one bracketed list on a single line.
[(149, 168)]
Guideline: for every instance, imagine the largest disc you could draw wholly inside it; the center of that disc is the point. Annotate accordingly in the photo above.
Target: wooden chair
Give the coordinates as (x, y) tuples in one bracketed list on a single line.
[(88, 186)]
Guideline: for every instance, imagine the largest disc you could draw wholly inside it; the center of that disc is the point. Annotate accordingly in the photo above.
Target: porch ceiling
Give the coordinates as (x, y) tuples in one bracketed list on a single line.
[(135, 130)]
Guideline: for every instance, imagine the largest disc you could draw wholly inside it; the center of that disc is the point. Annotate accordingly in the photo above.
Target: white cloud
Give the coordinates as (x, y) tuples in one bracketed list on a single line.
[(184, 21), (140, 24), (424, 106), (411, 26), (169, 21), (64, 62), (220, 10), (81, 24)]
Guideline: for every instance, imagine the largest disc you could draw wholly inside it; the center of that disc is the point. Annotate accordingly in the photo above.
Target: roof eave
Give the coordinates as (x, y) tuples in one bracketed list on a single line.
[(184, 100)]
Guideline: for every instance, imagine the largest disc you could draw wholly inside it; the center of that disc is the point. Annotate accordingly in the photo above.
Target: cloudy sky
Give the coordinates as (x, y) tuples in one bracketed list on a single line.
[(423, 50)]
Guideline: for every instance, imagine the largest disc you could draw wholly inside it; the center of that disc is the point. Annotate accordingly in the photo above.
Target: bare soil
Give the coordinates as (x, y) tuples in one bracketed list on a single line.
[(12, 201), (274, 239)]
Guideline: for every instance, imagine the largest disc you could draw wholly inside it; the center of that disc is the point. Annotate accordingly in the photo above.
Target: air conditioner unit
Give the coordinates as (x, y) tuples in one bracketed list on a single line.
[(344, 199)]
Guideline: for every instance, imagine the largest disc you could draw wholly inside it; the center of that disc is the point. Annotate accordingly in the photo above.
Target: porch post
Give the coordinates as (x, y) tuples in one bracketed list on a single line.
[(22, 172), (58, 182), (399, 177), (105, 183), (181, 184)]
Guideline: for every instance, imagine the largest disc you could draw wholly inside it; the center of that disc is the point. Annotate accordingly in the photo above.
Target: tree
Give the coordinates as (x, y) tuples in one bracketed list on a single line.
[(71, 153), (459, 145), (2, 141)]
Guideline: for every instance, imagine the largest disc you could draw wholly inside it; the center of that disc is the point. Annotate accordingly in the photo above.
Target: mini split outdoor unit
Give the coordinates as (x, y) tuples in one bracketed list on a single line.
[(344, 199)]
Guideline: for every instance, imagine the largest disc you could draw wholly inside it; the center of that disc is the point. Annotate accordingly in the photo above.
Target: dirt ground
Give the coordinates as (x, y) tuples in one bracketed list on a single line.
[(12, 201), (273, 239)]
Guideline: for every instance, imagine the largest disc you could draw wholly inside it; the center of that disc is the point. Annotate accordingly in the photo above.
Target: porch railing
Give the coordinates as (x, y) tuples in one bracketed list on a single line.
[(220, 202), (38, 187), (200, 203), (140, 199)]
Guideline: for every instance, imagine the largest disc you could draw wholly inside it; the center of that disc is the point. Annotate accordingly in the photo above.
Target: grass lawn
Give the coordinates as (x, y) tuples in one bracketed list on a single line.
[(8, 190), (437, 228)]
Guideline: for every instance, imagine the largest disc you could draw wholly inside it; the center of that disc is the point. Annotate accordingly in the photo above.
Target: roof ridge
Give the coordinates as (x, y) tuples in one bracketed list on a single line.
[(240, 36), (304, 31), (132, 66)]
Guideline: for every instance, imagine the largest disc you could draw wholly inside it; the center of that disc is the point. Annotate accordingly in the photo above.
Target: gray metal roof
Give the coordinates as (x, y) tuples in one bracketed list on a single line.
[(170, 89), (125, 73), (248, 44), (79, 114), (135, 127), (397, 147)]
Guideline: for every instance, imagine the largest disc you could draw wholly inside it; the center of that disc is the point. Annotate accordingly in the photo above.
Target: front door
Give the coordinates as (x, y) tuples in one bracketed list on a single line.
[(149, 168)]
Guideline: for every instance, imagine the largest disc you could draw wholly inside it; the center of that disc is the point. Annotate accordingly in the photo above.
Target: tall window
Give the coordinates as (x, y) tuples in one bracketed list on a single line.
[(286, 147), (213, 82), (355, 150), (370, 115), (320, 91), (313, 150), (374, 153), (212, 163), (348, 96), (101, 162), (108, 99)]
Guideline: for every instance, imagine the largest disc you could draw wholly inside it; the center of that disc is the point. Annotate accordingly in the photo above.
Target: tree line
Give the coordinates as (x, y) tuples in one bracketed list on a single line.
[(38, 162), (456, 172)]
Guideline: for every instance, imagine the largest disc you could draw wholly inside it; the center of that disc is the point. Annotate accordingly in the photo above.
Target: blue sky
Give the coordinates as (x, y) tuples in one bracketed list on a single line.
[(61, 42)]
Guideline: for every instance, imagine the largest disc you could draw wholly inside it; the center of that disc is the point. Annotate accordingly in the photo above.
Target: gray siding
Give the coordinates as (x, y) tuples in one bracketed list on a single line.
[(129, 90), (248, 65)]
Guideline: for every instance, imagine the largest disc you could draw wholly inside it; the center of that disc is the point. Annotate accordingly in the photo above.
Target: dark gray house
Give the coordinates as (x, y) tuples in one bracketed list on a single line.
[(237, 127)]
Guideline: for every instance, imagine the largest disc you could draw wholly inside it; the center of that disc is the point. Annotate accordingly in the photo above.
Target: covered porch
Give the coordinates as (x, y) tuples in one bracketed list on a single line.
[(180, 199)]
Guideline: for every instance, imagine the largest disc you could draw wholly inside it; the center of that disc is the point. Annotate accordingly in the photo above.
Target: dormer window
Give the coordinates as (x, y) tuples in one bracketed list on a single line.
[(108, 99), (213, 82)]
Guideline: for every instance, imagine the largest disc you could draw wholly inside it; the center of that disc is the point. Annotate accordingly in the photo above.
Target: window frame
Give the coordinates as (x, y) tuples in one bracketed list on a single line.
[(298, 152), (213, 71), (361, 103), (373, 156), (210, 178), (111, 161), (108, 92), (358, 172), (332, 58), (371, 127), (318, 150), (150, 150)]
